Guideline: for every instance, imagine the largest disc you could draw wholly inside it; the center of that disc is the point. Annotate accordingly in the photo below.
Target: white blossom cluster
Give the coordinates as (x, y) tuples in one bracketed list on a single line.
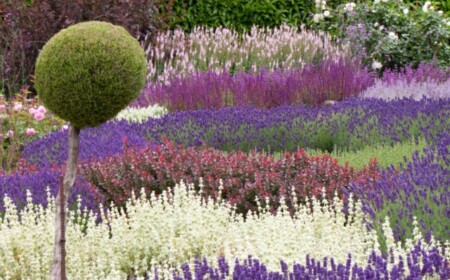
[(169, 230), (140, 115), (403, 89)]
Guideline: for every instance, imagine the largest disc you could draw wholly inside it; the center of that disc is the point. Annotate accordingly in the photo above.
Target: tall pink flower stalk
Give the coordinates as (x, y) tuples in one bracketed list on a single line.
[(176, 53)]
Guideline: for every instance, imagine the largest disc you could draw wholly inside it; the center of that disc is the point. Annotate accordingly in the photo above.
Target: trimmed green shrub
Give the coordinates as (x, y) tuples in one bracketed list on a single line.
[(240, 14), (89, 72)]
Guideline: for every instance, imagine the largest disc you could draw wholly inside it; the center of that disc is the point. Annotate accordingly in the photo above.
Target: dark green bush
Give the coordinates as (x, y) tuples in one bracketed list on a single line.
[(240, 14)]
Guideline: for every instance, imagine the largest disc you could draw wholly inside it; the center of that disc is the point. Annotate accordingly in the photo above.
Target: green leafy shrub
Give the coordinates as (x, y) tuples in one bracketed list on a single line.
[(90, 71), (390, 33), (240, 14)]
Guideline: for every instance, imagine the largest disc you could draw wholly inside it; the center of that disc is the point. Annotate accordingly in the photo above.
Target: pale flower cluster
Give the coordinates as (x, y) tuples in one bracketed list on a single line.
[(140, 115), (173, 229), (175, 53), (403, 89)]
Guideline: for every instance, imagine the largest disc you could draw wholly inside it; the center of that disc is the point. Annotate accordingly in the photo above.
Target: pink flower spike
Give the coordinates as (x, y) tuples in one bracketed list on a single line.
[(32, 111), (41, 109), (10, 134), (31, 131), (39, 116)]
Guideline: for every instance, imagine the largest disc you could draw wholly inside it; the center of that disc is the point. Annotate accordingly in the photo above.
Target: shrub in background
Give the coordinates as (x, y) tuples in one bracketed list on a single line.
[(312, 85), (157, 168), (26, 25), (240, 15), (388, 34)]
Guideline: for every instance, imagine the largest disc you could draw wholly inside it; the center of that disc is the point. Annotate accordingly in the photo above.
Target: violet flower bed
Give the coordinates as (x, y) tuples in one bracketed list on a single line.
[(349, 125)]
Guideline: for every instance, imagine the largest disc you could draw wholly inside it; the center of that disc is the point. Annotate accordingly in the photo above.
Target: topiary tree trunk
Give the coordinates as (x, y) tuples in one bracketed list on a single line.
[(109, 68), (58, 270)]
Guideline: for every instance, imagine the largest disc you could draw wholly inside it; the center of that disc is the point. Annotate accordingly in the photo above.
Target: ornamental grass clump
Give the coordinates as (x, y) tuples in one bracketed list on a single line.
[(177, 54), (175, 228), (311, 85)]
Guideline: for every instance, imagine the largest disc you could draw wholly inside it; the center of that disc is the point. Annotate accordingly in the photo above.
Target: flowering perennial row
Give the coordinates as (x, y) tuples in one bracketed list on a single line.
[(175, 228), (176, 53), (351, 124), (313, 84)]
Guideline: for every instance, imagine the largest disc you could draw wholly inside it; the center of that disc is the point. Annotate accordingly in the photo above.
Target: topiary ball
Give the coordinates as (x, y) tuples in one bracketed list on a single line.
[(89, 72)]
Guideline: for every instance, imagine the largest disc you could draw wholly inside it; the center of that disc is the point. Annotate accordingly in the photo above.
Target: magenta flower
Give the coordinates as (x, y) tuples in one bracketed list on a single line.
[(31, 131), (39, 116)]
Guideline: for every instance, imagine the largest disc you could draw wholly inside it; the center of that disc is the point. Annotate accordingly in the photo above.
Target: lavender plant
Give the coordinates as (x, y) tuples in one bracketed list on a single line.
[(417, 190), (348, 125)]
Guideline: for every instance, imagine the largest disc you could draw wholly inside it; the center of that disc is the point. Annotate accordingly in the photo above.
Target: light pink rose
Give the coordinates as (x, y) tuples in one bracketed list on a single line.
[(31, 131), (42, 109), (39, 116), (32, 111)]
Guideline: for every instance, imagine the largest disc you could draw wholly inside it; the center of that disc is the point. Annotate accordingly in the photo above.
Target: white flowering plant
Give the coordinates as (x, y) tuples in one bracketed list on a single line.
[(140, 115), (391, 32), (174, 228)]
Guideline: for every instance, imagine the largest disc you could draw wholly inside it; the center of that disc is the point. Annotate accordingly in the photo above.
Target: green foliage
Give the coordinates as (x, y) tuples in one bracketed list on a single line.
[(240, 14), (386, 155), (89, 72), (391, 32)]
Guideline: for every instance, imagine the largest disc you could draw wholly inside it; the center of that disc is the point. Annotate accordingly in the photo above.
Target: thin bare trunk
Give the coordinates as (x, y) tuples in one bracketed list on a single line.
[(58, 266)]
